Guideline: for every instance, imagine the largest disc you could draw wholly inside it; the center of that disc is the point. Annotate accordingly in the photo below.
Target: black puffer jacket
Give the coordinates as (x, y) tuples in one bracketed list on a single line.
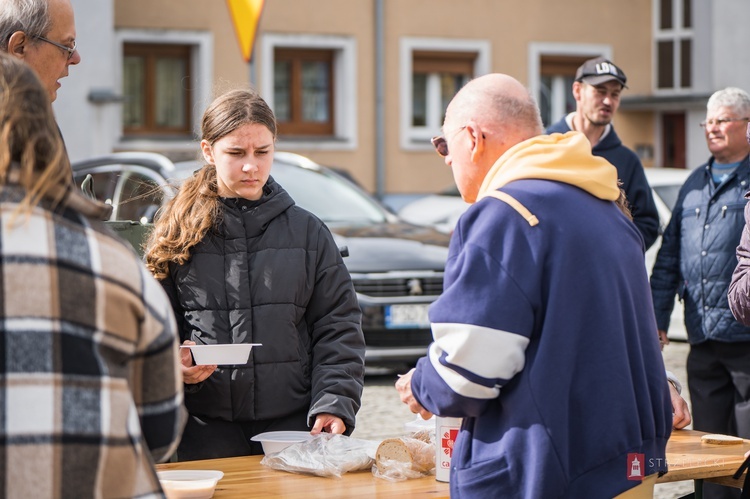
[(697, 256), (271, 273)]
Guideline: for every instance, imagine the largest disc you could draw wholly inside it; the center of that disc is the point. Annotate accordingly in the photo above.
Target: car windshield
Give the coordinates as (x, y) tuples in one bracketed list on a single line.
[(331, 198)]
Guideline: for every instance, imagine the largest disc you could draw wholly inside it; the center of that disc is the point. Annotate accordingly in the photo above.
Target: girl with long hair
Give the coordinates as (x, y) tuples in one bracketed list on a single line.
[(243, 264)]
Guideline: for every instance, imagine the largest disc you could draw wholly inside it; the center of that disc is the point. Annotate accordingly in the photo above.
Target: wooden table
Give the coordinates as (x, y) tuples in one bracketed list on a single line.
[(244, 477), (690, 459)]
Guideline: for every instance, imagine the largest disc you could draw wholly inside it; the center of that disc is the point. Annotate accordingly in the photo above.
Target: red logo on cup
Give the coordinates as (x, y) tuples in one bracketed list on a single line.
[(449, 438), (635, 466)]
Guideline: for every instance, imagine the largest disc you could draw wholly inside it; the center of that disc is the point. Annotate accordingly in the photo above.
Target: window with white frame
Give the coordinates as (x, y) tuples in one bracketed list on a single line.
[(165, 76), (310, 81), (673, 37), (432, 71)]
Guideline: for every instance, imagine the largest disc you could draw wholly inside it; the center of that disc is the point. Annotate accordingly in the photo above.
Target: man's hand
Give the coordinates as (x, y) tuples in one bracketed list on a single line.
[(192, 374), (329, 424), (403, 385), (663, 340), (680, 411)]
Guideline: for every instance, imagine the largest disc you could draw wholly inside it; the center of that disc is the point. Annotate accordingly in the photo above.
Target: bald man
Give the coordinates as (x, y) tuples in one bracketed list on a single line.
[(545, 339), (42, 33)]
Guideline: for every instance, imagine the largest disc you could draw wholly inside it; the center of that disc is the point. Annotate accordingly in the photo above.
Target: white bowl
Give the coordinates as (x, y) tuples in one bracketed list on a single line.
[(189, 484), (220, 355), (276, 441)]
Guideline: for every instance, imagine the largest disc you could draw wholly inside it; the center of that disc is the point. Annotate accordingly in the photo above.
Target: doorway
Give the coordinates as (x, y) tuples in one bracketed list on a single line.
[(673, 140)]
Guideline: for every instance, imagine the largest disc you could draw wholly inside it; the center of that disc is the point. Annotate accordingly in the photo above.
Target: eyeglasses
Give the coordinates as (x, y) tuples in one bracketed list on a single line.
[(69, 50), (721, 121), (441, 143)]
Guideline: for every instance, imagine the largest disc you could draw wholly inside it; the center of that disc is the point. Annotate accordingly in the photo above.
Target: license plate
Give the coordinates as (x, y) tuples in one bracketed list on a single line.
[(406, 316)]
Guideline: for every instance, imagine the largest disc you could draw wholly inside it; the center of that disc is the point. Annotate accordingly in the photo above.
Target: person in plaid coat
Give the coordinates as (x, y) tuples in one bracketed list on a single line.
[(91, 389)]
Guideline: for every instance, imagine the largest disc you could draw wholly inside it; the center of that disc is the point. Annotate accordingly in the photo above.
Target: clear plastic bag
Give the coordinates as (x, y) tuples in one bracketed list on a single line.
[(324, 455), (404, 458)]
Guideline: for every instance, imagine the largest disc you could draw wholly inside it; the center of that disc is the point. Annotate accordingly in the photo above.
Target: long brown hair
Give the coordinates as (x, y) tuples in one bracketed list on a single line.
[(32, 153), (185, 219)]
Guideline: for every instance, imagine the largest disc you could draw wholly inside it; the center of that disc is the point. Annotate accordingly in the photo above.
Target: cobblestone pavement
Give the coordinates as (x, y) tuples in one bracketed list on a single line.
[(383, 415)]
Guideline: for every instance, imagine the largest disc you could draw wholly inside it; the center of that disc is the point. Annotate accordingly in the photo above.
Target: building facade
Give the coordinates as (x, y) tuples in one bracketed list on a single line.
[(362, 84)]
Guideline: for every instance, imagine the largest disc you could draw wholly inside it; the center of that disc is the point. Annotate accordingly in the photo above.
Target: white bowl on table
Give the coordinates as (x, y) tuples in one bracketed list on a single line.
[(189, 484), (276, 441), (222, 354)]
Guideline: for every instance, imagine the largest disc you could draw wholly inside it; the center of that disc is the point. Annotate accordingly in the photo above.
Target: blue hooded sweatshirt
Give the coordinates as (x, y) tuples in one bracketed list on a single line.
[(545, 339)]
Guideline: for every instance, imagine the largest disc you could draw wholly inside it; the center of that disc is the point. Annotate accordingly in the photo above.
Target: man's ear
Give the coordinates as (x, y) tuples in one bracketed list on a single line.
[(478, 141), (577, 89), (208, 152), (18, 43)]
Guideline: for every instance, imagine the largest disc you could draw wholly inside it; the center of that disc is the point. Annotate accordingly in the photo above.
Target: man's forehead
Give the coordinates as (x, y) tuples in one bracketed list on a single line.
[(450, 118), (727, 111), (62, 19)]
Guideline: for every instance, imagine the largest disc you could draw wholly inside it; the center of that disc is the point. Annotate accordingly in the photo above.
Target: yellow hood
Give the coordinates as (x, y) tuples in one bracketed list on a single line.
[(564, 158)]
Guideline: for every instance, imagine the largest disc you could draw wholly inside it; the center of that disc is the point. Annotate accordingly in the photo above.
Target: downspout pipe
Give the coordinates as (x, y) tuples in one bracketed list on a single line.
[(379, 100)]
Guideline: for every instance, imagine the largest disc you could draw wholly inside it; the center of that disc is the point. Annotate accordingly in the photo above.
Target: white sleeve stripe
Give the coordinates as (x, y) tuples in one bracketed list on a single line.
[(458, 383), (487, 353)]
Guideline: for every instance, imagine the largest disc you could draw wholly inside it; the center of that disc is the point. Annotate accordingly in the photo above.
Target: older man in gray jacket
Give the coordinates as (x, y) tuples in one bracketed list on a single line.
[(695, 262)]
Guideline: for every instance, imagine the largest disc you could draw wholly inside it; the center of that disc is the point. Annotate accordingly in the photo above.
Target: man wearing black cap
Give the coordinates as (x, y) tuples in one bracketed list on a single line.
[(597, 89)]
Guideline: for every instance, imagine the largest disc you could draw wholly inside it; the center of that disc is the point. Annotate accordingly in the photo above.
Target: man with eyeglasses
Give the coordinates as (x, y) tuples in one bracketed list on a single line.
[(596, 89), (42, 33), (696, 261), (544, 336)]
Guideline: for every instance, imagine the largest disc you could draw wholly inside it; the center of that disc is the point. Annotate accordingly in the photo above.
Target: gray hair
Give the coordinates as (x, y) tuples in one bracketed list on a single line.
[(731, 97), (30, 16)]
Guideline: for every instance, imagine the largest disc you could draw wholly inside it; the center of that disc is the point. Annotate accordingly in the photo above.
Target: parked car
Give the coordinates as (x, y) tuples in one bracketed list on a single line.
[(440, 210), (397, 267), (443, 209)]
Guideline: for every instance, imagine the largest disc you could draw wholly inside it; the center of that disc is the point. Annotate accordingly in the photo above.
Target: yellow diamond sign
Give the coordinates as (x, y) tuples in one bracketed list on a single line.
[(246, 16)]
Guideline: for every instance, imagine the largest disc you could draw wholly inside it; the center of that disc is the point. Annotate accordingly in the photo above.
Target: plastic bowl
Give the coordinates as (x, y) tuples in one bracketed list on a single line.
[(220, 355), (189, 484), (276, 441)]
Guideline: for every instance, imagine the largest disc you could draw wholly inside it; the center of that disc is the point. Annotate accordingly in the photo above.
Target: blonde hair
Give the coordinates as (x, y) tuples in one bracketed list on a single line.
[(32, 153), (185, 219)]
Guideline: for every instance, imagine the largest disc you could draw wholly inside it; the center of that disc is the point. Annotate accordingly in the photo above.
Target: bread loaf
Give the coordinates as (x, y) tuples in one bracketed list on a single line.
[(718, 439), (409, 453)]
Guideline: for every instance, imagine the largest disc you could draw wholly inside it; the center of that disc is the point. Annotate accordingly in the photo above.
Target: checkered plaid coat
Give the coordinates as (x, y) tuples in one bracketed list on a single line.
[(88, 358)]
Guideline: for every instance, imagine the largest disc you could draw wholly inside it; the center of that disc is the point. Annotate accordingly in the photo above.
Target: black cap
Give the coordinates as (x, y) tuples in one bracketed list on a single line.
[(599, 70)]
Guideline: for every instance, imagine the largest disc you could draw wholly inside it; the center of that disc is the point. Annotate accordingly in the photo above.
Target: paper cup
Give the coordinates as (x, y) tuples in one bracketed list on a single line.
[(446, 432)]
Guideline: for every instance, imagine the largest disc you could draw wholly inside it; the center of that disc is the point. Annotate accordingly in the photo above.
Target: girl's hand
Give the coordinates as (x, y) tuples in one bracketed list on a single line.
[(192, 374), (329, 424)]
